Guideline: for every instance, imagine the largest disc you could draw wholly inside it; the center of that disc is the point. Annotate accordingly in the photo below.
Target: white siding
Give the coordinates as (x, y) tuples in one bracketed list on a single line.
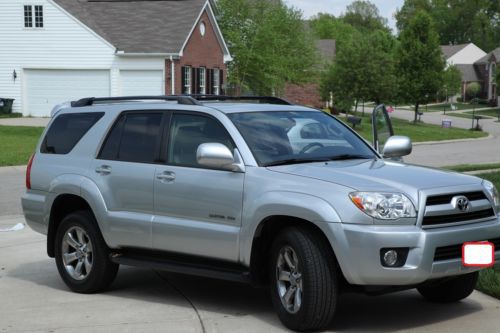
[(63, 43), (468, 55)]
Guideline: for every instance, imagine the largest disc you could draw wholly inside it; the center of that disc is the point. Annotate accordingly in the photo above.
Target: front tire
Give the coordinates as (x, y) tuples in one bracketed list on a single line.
[(82, 255), (303, 277), (450, 290)]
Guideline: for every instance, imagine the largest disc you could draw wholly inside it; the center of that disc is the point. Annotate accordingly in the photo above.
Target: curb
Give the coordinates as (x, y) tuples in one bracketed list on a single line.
[(13, 168), (489, 137), (477, 172)]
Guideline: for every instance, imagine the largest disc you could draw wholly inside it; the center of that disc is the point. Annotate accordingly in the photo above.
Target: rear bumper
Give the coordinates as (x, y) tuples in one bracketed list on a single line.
[(34, 209), (358, 247)]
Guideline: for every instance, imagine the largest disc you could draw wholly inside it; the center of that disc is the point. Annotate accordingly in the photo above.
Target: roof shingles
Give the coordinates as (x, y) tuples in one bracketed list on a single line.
[(147, 26)]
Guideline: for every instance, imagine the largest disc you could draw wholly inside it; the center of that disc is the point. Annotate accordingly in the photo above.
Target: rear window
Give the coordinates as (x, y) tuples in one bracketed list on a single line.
[(67, 130)]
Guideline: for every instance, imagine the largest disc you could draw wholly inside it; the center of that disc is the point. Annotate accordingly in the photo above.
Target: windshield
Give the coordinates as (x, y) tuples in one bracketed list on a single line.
[(288, 137)]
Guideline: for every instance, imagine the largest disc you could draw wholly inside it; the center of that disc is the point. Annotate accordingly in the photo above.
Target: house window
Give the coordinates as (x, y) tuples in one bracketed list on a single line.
[(202, 80), (38, 16), (28, 16), (186, 80), (216, 82)]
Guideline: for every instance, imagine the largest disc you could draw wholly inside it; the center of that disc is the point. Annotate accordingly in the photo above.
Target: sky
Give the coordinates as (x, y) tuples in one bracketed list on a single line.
[(387, 8)]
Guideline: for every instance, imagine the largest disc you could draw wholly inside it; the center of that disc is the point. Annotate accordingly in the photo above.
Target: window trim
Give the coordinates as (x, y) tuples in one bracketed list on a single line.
[(187, 89), (202, 77), (166, 143), (158, 159), (216, 86)]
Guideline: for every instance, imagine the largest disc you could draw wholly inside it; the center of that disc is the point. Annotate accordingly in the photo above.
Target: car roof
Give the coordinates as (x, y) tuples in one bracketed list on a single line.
[(228, 108)]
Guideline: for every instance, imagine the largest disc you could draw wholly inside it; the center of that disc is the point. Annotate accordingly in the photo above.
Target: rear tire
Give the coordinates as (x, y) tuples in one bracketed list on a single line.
[(304, 287), (81, 254), (450, 290)]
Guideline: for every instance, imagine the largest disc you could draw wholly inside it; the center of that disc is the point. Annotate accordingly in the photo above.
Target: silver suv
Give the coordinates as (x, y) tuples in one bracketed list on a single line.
[(253, 190)]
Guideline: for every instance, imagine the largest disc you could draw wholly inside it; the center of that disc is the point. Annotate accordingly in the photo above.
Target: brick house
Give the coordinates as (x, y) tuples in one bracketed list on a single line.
[(58, 50), (309, 93)]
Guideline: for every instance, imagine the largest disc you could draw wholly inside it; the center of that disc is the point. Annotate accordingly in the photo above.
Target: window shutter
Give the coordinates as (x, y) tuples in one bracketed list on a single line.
[(183, 80), (209, 81), (221, 82)]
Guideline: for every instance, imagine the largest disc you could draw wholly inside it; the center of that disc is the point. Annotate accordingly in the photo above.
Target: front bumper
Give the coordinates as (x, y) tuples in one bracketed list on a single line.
[(357, 248)]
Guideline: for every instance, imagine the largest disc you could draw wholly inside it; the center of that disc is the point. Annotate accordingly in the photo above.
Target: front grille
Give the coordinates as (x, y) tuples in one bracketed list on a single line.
[(455, 251), (443, 219), (446, 198)]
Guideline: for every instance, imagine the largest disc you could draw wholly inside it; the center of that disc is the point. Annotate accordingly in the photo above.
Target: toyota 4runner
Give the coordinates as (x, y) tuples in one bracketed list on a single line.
[(254, 190)]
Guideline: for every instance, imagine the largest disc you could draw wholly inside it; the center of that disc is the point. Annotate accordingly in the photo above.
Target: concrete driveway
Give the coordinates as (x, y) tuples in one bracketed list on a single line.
[(34, 298)]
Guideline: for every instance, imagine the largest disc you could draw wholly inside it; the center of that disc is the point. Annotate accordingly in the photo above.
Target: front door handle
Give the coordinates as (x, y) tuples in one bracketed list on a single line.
[(103, 170), (166, 177)]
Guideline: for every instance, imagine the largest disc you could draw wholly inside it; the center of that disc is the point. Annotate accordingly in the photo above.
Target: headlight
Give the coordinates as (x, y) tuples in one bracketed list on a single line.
[(384, 206), (492, 190)]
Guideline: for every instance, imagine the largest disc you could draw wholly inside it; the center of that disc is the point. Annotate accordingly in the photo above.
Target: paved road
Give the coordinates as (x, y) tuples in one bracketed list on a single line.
[(444, 154), (34, 298)]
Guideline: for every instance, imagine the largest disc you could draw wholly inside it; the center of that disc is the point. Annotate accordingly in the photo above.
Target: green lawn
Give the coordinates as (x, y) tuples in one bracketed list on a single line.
[(446, 106), (464, 115), (419, 132), (489, 112), (17, 143), (489, 279), (11, 115), (473, 167)]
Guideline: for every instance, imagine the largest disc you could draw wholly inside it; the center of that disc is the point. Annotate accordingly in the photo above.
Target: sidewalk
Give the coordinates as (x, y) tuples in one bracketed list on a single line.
[(36, 122)]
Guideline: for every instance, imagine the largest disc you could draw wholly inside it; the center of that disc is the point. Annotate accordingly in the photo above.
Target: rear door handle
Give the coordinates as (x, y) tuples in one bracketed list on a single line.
[(103, 170), (166, 177)]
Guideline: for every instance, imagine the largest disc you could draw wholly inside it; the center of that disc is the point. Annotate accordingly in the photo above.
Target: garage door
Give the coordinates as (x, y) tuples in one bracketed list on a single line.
[(46, 88), (140, 83)]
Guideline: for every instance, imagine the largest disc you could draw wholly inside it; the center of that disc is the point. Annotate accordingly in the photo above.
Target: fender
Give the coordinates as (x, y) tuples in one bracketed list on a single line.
[(300, 205), (86, 189)]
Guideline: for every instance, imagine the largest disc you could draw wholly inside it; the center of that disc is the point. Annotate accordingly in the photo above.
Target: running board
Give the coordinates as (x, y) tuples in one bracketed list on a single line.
[(209, 269)]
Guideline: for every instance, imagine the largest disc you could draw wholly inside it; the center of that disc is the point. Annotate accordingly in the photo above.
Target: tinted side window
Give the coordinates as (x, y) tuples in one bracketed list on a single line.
[(134, 138), (67, 130), (187, 132)]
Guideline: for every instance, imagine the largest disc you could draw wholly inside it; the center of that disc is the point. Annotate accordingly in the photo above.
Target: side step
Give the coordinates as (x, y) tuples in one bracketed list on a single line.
[(198, 267)]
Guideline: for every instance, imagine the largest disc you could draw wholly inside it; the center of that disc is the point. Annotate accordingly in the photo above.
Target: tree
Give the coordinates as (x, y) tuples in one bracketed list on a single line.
[(420, 62), (458, 21), (452, 81), (473, 89), (268, 42), (363, 70), (365, 16), (327, 26)]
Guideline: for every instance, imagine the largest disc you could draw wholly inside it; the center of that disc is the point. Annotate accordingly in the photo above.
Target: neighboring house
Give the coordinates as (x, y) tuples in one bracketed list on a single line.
[(487, 66), (53, 51), (309, 93), (475, 66)]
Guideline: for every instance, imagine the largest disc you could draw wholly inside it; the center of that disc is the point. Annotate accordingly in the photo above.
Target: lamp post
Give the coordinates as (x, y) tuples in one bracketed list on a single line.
[(473, 110)]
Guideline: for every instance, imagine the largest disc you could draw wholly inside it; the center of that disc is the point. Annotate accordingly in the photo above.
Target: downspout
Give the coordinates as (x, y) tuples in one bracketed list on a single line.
[(172, 74)]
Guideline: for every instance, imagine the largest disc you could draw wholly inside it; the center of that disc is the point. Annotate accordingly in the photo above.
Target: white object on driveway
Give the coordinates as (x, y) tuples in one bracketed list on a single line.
[(17, 227)]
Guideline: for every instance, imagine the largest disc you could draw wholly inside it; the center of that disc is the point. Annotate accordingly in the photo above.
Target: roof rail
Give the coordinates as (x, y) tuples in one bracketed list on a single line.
[(260, 99), (88, 101)]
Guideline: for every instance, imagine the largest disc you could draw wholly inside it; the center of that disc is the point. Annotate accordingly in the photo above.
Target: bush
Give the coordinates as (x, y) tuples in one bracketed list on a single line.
[(473, 89), (460, 100)]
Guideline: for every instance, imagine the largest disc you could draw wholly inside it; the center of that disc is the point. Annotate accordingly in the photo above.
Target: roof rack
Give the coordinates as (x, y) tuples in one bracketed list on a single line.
[(260, 99), (88, 101)]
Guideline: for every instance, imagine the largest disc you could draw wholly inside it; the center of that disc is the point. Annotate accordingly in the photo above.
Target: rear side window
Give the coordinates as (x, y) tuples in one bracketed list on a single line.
[(134, 138), (67, 130)]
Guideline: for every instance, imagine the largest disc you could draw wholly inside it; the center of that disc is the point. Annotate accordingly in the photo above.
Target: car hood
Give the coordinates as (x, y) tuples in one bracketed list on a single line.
[(378, 175)]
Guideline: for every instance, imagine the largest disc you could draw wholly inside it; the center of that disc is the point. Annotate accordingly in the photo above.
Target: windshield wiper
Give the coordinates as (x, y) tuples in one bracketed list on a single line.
[(296, 161), (350, 157)]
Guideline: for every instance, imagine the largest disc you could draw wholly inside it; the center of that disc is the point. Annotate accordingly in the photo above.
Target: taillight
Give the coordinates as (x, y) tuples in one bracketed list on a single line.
[(28, 172)]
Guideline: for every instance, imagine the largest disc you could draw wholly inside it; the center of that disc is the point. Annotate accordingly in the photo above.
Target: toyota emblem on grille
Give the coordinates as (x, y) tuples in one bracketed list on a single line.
[(461, 203)]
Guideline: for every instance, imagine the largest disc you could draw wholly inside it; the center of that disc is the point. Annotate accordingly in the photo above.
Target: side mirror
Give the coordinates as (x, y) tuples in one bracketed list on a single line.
[(397, 146), (217, 156)]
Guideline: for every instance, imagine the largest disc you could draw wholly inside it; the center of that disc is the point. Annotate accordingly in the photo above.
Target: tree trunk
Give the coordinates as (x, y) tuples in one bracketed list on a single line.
[(356, 106), (416, 113)]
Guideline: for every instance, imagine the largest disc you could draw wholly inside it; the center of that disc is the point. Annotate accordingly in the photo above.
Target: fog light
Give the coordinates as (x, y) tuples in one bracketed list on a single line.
[(394, 257), (390, 258)]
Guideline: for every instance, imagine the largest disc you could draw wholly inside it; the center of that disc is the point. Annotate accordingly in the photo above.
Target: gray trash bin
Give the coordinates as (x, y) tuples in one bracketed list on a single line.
[(6, 105)]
